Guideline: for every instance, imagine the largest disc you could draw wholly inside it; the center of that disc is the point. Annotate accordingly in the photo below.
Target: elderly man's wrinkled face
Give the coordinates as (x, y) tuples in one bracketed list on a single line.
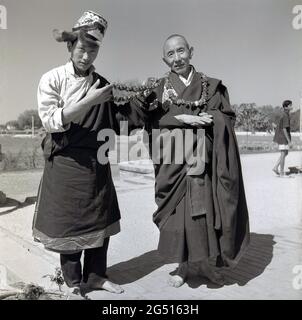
[(83, 55), (177, 55)]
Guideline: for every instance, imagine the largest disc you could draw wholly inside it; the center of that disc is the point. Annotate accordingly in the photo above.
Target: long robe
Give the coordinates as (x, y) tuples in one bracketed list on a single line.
[(77, 205), (222, 191)]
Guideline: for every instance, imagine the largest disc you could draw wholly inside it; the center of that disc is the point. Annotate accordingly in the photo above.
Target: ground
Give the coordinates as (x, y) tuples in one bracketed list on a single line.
[(267, 271)]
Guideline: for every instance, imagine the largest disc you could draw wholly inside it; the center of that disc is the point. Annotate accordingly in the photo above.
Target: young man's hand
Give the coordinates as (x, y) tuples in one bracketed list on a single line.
[(97, 96), (149, 82), (203, 119)]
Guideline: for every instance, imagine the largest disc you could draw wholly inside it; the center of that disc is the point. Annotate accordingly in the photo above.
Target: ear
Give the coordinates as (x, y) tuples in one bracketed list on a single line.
[(165, 61), (191, 50), (69, 46)]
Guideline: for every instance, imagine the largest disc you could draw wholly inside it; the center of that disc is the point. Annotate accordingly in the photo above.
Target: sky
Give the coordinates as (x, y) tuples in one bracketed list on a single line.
[(250, 45)]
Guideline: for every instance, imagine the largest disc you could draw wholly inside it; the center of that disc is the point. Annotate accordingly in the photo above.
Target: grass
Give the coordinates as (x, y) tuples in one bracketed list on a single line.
[(260, 144), (23, 153)]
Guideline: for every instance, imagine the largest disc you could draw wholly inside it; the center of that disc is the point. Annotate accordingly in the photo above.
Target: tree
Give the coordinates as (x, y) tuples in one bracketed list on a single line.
[(246, 116), (25, 119), (12, 124), (252, 118), (295, 121)]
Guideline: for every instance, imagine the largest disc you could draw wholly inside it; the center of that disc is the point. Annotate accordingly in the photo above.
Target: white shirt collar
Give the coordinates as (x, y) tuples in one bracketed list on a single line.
[(70, 68), (187, 81)]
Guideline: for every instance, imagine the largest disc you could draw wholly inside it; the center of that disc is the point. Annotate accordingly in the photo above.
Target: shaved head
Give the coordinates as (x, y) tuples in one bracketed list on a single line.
[(176, 35), (177, 54)]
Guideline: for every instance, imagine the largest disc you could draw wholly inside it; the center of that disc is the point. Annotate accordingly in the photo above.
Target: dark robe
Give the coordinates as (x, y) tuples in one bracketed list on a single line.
[(77, 198), (219, 190)]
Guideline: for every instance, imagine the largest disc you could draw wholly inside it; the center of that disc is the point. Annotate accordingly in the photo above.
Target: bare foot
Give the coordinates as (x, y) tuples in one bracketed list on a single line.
[(74, 290), (176, 281), (112, 287), (70, 290)]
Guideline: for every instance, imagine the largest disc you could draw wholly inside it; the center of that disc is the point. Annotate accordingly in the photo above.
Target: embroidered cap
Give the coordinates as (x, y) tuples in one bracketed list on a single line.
[(94, 24), (90, 23)]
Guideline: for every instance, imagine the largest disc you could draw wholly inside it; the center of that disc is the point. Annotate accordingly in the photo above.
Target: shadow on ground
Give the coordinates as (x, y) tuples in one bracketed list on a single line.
[(13, 205), (252, 264), (136, 268)]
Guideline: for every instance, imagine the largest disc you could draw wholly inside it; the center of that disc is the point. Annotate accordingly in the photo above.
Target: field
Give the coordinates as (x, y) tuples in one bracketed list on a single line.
[(258, 143), (20, 153)]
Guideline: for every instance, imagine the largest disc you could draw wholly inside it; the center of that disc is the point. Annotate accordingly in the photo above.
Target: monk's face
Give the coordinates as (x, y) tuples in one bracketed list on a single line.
[(177, 55), (83, 55)]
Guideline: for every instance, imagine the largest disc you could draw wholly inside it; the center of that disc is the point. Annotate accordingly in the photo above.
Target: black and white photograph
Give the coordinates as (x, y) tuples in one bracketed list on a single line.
[(150, 150)]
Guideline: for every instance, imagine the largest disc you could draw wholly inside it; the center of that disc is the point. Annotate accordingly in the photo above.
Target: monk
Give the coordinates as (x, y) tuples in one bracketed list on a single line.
[(202, 213)]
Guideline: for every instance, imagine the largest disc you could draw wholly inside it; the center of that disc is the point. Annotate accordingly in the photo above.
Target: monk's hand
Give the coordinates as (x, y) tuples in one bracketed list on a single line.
[(202, 120), (206, 117), (97, 96)]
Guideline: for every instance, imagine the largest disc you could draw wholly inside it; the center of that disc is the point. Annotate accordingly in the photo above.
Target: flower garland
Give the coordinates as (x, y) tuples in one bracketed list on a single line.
[(201, 103), (143, 89), (138, 90)]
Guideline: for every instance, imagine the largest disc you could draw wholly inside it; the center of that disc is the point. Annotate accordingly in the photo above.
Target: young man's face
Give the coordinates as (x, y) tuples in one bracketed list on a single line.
[(83, 55), (288, 108), (177, 55)]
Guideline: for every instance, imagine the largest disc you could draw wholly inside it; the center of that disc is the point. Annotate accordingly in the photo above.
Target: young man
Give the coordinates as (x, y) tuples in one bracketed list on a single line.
[(202, 216), (283, 137), (77, 209)]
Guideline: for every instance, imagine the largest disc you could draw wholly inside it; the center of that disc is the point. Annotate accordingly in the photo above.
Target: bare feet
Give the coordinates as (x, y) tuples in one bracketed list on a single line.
[(112, 287), (176, 281), (102, 285)]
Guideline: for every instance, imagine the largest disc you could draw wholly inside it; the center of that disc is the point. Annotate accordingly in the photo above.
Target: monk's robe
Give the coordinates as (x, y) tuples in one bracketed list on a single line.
[(203, 216)]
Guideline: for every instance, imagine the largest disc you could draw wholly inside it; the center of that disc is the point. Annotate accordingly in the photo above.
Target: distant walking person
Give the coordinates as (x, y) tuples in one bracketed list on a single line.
[(283, 137)]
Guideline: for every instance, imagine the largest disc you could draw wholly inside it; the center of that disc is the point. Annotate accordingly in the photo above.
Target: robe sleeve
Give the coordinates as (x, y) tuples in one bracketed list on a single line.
[(134, 114), (219, 100), (231, 213)]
